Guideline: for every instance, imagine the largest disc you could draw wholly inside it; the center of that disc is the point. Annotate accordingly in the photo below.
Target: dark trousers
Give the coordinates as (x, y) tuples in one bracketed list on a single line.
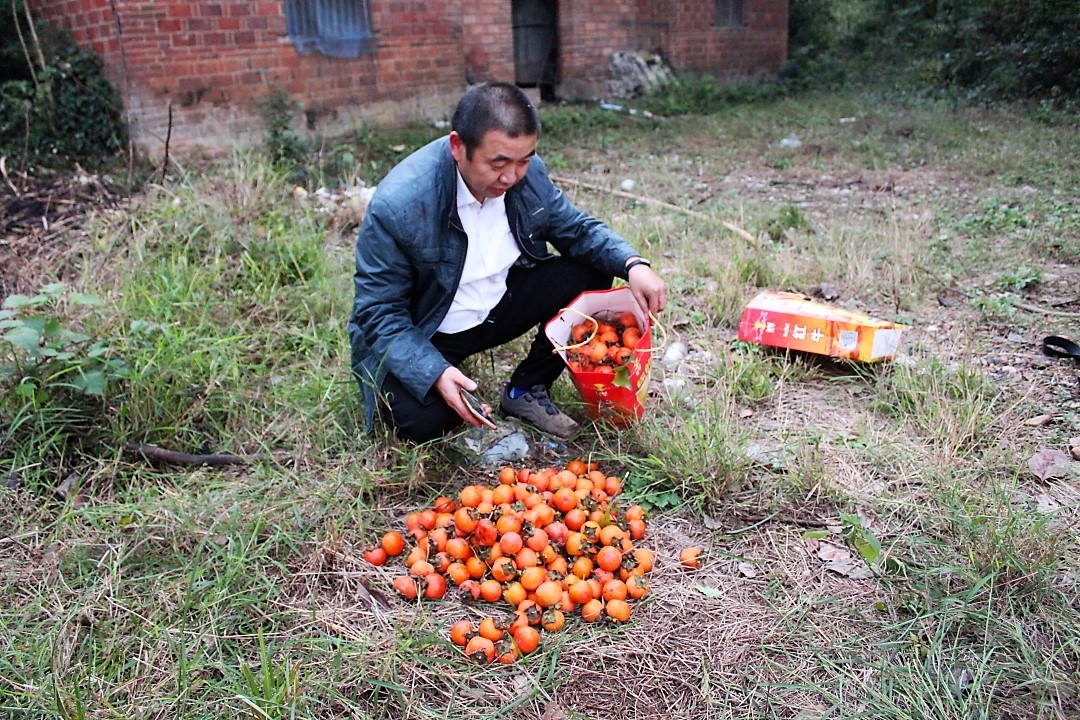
[(533, 296)]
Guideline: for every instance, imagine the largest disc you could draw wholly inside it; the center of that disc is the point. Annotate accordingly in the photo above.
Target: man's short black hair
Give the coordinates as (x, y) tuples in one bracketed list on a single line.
[(494, 106)]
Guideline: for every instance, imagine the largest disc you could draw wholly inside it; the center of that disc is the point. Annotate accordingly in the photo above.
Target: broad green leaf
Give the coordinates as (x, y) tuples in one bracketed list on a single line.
[(143, 326), (18, 301), (90, 383), (621, 377), (709, 592), (894, 566), (67, 336), (25, 390), (84, 299), (867, 545), (816, 534), (24, 337), (36, 322), (55, 289), (52, 328)]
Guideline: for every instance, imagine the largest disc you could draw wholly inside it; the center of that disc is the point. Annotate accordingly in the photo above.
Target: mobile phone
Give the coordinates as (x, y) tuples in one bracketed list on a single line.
[(477, 408)]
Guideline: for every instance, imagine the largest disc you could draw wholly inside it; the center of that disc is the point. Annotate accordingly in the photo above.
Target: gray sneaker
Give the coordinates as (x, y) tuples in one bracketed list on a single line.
[(534, 406)]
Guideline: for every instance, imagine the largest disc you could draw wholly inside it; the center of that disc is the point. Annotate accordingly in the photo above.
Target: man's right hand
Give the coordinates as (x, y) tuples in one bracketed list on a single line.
[(449, 386)]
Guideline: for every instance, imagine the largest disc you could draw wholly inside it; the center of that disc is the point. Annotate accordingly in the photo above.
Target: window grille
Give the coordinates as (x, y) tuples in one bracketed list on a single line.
[(728, 13), (337, 28)]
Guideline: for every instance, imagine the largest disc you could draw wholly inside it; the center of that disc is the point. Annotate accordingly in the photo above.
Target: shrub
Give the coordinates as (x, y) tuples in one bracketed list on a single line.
[(59, 112)]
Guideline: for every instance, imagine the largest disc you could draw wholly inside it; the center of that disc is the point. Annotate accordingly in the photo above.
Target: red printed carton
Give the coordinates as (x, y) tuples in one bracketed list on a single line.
[(794, 321)]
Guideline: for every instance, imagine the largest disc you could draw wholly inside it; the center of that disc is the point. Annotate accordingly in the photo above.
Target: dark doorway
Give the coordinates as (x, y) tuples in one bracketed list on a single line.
[(536, 46)]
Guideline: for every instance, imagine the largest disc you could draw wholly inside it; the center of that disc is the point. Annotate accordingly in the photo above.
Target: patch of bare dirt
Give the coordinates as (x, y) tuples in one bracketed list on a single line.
[(44, 213), (947, 324)]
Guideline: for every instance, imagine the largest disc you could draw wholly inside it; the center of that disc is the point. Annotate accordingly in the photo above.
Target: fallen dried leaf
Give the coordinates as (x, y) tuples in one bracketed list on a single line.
[(1039, 421), (553, 712), (851, 568), (65, 488), (839, 560), (709, 592), (828, 551), (372, 597), (747, 570), (1049, 463)]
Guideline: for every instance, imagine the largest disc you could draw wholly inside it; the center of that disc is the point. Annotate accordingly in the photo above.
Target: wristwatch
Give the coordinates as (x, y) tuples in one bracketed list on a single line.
[(635, 261)]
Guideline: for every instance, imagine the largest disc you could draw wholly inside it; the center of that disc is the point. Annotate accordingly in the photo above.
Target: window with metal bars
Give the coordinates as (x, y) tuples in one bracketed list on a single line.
[(728, 13), (337, 28)]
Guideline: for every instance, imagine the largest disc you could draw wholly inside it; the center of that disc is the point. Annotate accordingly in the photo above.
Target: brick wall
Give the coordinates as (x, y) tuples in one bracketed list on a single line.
[(693, 44), (212, 63)]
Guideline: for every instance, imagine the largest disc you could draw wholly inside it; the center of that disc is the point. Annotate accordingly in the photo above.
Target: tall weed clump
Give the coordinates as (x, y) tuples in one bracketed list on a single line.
[(243, 309), (219, 328), (60, 378)]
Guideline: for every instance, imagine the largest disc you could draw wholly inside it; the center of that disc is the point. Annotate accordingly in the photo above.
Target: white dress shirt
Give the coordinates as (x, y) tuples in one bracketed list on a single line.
[(491, 252)]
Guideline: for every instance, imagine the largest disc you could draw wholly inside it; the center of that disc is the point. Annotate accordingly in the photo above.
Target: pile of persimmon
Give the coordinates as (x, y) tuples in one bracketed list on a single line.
[(546, 544), (603, 345)]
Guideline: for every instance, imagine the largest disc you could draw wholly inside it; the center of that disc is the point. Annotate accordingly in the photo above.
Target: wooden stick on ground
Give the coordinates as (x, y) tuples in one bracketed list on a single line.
[(1045, 311), (160, 454), (659, 203)]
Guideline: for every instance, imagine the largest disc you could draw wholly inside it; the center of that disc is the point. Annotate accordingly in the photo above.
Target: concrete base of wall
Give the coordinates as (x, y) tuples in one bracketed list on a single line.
[(227, 129)]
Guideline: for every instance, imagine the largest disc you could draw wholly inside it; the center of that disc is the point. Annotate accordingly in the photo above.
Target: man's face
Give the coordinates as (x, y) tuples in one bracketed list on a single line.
[(497, 163)]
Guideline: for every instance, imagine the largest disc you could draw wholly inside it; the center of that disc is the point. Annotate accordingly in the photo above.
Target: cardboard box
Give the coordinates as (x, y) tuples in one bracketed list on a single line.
[(794, 321)]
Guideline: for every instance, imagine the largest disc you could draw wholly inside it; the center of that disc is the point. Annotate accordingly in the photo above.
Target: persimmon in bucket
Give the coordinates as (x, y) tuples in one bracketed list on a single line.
[(603, 344)]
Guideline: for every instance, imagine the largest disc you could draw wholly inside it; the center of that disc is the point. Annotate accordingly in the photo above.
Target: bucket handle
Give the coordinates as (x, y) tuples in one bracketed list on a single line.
[(596, 327)]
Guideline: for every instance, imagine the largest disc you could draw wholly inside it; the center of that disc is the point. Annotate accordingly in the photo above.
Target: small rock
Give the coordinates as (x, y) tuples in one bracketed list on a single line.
[(675, 354), (512, 448), (1039, 421), (675, 385), (829, 291), (791, 143), (1016, 338), (627, 185), (770, 457), (1074, 447)]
